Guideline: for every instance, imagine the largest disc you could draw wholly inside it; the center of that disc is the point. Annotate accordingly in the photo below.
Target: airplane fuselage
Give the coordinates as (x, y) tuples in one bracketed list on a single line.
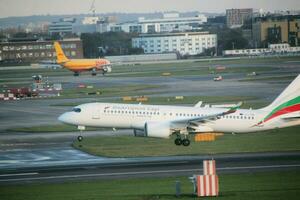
[(79, 65), (135, 116)]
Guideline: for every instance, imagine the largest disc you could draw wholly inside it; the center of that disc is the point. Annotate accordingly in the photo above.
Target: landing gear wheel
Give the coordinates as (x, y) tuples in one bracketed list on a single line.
[(79, 138), (94, 72), (178, 141), (186, 142)]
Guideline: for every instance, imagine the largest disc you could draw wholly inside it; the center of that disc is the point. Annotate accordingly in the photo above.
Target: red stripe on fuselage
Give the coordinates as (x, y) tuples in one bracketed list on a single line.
[(283, 111)]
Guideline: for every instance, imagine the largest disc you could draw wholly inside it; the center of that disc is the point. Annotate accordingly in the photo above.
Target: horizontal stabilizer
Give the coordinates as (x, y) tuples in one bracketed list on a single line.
[(291, 116)]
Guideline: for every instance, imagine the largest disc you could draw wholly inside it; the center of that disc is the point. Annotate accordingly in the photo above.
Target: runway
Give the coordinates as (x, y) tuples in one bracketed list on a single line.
[(120, 168)]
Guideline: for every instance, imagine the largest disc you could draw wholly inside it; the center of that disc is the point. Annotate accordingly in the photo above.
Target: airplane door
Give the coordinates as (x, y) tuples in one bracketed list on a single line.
[(96, 114)]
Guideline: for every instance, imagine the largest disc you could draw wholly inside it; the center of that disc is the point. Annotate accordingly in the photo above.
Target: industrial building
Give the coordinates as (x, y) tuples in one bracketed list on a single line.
[(35, 50), (235, 18), (276, 29), (184, 43)]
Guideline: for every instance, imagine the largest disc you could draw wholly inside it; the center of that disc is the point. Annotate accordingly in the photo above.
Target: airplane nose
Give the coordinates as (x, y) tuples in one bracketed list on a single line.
[(65, 118)]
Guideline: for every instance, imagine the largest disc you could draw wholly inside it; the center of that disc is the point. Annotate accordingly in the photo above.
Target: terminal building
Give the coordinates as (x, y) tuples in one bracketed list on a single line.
[(34, 50), (184, 43)]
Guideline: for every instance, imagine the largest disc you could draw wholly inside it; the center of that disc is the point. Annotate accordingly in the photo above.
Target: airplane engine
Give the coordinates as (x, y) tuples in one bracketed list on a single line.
[(158, 130), (107, 69)]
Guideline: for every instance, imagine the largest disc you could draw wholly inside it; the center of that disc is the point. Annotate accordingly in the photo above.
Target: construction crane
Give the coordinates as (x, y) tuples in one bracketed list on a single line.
[(93, 8)]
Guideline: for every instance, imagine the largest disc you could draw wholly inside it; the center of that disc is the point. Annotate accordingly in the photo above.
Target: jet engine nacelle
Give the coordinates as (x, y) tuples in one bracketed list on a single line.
[(157, 129)]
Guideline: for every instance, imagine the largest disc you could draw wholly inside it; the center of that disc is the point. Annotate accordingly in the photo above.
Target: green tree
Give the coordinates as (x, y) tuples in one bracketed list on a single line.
[(230, 39), (110, 43)]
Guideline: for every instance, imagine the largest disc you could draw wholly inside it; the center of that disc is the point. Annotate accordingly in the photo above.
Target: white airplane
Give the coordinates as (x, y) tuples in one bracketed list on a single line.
[(162, 121)]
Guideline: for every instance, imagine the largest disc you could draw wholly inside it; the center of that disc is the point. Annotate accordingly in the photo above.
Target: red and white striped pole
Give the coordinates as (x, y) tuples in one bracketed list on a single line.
[(208, 183)]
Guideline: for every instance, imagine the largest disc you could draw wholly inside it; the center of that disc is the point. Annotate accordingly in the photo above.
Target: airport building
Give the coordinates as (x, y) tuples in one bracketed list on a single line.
[(63, 26), (169, 23), (184, 43), (30, 51), (273, 49), (276, 29), (235, 18)]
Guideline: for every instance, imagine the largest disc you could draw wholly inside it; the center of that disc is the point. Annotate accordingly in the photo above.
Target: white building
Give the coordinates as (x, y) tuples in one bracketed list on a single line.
[(90, 20), (62, 26), (170, 22), (185, 43)]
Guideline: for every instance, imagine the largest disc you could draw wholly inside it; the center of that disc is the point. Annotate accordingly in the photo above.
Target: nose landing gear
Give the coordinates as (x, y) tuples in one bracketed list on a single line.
[(80, 137)]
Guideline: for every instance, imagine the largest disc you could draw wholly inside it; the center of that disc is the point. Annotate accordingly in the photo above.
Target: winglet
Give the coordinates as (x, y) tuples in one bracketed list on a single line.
[(234, 108), (198, 105)]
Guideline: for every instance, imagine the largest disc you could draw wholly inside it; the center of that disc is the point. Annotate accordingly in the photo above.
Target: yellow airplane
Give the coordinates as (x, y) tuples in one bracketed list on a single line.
[(80, 65)]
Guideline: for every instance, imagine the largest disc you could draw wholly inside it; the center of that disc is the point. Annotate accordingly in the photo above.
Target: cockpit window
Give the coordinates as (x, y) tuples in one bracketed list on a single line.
[(78, 110)]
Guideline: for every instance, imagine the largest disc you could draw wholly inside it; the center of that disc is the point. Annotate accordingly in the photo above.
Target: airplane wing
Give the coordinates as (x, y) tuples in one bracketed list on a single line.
[(195, 121)]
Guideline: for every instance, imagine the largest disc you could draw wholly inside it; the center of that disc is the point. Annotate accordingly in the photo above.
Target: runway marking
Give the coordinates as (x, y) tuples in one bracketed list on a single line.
[(20, 174), (144, 172)]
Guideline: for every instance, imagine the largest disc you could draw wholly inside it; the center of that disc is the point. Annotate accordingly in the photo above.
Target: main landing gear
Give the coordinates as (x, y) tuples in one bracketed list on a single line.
[(94, 72), (179, 141)]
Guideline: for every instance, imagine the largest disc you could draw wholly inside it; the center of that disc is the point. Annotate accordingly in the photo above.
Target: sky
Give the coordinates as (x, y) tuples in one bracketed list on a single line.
[(10, 8)]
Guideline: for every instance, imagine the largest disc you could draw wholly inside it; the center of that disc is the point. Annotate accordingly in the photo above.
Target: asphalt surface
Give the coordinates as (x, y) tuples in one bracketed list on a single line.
[(88, 167)]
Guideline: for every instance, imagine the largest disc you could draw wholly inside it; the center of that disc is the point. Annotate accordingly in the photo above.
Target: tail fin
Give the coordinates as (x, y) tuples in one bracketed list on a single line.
[(290, 96), (288, 101), (61, 58)]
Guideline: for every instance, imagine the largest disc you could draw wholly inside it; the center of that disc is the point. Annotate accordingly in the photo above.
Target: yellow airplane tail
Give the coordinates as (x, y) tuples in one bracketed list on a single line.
[(61, 58)]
